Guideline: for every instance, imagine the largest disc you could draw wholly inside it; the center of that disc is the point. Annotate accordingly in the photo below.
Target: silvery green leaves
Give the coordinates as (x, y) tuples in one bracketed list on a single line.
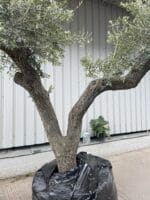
[(129, 37), (39, 26)]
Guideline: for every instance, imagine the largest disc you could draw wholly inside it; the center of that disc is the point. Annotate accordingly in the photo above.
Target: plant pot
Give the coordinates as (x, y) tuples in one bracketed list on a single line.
[(92, 179), (100, 137)]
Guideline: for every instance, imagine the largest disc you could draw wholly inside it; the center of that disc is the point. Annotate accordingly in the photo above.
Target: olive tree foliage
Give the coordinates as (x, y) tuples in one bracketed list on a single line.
[(39, 26), (129, 37), (32, 31)]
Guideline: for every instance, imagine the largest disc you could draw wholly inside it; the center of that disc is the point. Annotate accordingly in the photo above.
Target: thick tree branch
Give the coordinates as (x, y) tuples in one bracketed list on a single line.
[(98, 86), (41, 99), (29, 79)]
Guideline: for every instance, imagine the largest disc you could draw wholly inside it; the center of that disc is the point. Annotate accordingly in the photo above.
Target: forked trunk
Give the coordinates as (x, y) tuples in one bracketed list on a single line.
[(64, 148), (66, 153), (66, 158)]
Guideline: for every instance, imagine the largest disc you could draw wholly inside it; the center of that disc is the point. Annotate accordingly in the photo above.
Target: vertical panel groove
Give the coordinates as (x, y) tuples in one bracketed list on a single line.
[(13, 114), (1, 109), (25, 124)]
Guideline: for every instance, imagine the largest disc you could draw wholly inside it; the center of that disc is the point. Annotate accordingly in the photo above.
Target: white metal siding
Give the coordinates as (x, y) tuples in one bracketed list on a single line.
[(126, 111)]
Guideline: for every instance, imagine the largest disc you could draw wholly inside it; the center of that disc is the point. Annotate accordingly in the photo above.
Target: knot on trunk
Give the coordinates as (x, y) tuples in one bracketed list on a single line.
[(27, 81), (19, 78)]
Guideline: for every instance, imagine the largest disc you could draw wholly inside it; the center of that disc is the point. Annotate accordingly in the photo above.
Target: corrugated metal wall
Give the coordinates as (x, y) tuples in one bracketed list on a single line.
[(126, 111)]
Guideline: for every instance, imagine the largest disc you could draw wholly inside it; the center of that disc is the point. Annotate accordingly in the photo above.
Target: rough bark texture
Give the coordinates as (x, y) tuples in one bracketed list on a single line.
[(65, 148)]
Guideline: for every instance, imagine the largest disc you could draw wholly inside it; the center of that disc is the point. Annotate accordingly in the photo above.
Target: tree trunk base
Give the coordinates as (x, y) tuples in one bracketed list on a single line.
[(92, 179)]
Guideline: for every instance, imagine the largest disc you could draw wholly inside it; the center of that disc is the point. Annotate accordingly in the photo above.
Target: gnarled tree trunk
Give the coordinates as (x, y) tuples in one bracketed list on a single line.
[(62, 146)]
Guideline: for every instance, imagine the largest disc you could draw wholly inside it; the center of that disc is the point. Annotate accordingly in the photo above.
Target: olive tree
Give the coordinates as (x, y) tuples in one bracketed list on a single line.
[(32, 31)]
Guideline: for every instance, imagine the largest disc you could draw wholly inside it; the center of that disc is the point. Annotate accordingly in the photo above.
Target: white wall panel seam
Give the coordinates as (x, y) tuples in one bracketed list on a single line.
[(13, 113), (25, 123), (1, 108)]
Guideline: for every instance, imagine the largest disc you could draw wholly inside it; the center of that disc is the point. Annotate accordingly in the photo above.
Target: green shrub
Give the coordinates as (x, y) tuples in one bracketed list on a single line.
[(99, 127)]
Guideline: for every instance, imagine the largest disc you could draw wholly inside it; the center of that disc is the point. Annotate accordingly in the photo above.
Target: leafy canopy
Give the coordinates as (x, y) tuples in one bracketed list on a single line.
[(129, 37), (38, 25)]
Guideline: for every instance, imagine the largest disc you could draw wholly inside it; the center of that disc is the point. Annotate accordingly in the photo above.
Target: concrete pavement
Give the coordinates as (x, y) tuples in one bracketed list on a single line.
[(132, 175), (131, 172), (16, 163)]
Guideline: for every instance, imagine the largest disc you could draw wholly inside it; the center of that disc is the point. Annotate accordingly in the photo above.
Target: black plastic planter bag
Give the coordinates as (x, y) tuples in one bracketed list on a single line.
[(92, 179)]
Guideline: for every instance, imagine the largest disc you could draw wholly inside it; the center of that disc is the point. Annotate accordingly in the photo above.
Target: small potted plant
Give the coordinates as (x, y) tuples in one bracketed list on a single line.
[(100, 127)]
